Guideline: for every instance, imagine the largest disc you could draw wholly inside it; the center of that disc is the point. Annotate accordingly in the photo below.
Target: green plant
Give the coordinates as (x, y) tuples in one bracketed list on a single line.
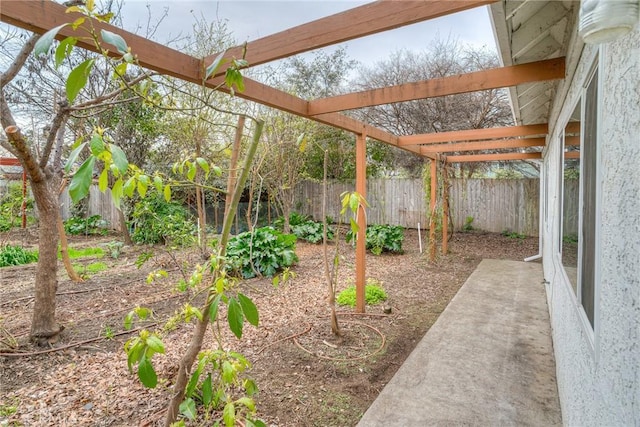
[(87, 270), (373, 294), (513, 235), (82, 253), (311, 231), (16, 255), (108, 332), (157, 221), (114, 248), (265, 251), (570, 238), (8, 409), (11, 207), (93, 225), (468, 221), (294, 219), (381, 238)]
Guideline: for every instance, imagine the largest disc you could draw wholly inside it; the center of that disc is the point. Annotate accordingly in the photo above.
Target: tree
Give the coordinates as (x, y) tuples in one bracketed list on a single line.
[(473, 110), (43, 164)]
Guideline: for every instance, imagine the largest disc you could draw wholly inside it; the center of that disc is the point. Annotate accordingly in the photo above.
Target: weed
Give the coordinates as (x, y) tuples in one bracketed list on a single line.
[(108, 332), (114, 249), (467, 224), (6, 410), (87, 270), (82, 253), (16, 255), (513, 235), (373, 294)]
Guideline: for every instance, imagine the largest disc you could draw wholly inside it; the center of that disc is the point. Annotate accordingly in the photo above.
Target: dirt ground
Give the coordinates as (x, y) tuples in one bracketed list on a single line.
[(305, 376)]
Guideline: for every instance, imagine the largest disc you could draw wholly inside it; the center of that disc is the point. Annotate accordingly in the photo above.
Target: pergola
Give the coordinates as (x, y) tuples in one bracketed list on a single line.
[(378, 16)]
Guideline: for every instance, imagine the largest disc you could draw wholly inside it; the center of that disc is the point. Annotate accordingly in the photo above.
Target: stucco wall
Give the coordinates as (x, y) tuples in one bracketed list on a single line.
[(599, 372)]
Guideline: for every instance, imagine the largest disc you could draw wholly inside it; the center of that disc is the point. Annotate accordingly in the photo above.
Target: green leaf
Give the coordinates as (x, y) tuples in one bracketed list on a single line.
[(119, 158), (130, 187), (188, 408), (235, 317), (191, 173), (103, 181), (301, 142), (73, 156), (247, 402), (81, 181), (203, 164), (155, 344), (229, 415), (250, 387), (146, 373), (193, 381), (44, 43), (249, 309), (64, 49), (96, 145), (354, 225), (142, 185), (78, 79), (116, 40), (128, 320), (213, 67), (207, 391), (157, 182), (213, 310), (116, 192), (167, 192)]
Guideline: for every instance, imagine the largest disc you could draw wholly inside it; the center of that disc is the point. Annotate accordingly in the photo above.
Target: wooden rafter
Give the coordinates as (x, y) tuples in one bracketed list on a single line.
[(360, 21), (571, 154), (483, 145), (473, 134), (550, 69), (40, 16), (493, 157)]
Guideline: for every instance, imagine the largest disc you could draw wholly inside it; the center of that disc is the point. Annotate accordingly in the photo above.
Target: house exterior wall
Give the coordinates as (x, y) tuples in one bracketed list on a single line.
[(598, 369)]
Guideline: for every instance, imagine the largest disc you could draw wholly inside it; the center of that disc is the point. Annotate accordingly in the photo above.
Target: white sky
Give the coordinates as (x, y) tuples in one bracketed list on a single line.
[(249, 20)]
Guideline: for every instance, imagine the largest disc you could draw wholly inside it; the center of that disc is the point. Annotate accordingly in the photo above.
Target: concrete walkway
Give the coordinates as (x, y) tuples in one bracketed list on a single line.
[(488, 360)]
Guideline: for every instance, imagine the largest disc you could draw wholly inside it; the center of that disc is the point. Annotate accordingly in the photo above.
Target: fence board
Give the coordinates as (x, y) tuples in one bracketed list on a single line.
[(495, 205)]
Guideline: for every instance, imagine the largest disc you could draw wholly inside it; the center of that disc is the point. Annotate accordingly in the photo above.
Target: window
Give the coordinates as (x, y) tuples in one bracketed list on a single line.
[(579, 198), (589, 199)]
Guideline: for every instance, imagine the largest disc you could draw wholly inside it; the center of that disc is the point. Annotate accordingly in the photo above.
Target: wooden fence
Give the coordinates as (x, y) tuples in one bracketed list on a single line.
[(494, 204)]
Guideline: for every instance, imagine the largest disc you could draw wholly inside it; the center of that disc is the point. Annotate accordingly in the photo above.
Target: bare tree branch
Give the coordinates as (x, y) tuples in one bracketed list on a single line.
[(19, 61)]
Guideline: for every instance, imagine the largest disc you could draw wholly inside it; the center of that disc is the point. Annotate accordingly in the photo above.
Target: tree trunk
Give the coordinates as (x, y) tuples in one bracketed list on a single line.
[(44, 328), (126, 236), (64, 252)]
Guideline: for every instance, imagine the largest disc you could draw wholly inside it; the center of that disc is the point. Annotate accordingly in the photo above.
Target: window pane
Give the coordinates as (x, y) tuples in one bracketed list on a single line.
[(571, 197), (589, 198)]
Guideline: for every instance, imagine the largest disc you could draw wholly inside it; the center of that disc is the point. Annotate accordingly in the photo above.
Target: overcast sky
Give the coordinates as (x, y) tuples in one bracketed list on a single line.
[(249, 20)]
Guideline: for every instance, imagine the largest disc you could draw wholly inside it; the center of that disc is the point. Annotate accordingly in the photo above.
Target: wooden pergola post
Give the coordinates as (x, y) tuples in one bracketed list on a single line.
[(445, 209), (432, 208), (361, 248)]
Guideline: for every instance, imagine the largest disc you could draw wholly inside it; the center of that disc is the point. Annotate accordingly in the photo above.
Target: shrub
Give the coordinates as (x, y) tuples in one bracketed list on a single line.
[(11, 207), (265, 251), (16, 255), (373, 294), (157, 221), (382, 238), (93, 225), (294, 219), (311, 231)]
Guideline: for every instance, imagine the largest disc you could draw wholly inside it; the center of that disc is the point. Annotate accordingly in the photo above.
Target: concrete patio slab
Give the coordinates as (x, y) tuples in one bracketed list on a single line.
[(488, 360)]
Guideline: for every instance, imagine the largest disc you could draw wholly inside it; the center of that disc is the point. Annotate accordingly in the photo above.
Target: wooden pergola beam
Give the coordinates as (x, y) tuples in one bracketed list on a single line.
[(493, 157), (357, 22), (571, 154), (550, 69), (483, 145), (473, 134), (41, 16)]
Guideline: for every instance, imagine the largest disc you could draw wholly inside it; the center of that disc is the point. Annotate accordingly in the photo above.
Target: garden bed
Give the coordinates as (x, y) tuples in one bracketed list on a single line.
[(306, 376)]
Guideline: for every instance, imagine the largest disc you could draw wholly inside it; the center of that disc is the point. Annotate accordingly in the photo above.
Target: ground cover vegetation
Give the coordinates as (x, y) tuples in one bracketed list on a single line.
[(99, 117)]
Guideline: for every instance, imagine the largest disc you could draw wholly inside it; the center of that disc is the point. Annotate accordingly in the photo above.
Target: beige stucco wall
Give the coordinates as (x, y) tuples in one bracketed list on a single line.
[(599, 371)]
